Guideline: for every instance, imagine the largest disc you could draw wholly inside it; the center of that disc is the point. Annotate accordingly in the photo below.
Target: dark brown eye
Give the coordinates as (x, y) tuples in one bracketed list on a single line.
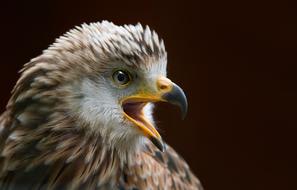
[(121, 77)]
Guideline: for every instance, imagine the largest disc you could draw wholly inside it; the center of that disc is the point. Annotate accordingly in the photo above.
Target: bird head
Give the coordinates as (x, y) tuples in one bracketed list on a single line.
[(109, 77)]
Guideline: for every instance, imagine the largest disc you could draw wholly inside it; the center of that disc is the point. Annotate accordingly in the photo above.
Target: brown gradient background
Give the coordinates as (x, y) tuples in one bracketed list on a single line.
[(235, 60)]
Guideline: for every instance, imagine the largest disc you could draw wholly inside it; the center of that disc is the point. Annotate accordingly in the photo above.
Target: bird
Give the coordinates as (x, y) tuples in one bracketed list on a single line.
[(80, 115)]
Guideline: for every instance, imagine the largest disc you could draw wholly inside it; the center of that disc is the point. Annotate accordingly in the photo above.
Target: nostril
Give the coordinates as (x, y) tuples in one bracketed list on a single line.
[(163, 87), (164, 84)]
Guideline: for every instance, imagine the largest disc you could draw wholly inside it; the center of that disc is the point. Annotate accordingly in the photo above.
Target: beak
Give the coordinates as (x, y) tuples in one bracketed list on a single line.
[(133, 106), (176, 96)]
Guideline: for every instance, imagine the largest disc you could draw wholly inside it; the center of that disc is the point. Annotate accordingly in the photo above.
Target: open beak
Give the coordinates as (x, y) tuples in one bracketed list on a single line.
[(133, 106)]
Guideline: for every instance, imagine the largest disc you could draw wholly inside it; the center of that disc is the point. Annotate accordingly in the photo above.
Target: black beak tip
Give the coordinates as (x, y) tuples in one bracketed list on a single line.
[(184, 114), (184, 108), (177, 97), (158, 143)]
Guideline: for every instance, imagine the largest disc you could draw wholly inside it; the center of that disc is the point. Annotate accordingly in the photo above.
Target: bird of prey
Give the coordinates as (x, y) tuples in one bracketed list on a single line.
[(80, 115)]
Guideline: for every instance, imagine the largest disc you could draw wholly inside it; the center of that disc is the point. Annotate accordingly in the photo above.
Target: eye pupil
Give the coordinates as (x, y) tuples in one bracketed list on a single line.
[(121, 77)]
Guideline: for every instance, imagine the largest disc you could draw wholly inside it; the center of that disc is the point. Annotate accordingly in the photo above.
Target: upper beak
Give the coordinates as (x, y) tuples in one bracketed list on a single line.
[(133, 106), (176, 96)]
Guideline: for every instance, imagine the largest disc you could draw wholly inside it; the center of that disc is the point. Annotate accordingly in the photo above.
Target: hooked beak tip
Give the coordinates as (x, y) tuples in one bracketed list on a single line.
[(176, 96)]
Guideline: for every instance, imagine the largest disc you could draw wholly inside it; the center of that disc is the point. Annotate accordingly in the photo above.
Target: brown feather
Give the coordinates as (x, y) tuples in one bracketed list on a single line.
[(152, 169)]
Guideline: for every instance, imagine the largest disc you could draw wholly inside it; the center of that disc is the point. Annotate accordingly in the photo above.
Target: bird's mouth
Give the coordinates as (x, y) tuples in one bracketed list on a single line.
[(133, 107), (134, 111)]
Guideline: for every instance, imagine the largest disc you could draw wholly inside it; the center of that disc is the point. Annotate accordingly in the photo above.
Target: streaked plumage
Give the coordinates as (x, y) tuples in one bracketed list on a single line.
[(64, 126)]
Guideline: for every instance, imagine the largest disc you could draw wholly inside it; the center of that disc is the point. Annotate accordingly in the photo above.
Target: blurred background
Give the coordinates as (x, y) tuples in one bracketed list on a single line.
[(236, 61)]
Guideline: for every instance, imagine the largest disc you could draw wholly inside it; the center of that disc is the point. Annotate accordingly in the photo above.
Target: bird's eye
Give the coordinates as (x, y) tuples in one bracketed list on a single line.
[(121, 77)]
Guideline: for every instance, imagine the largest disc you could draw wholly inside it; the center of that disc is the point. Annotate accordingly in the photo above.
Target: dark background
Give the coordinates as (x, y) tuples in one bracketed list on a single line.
[(235, 60)]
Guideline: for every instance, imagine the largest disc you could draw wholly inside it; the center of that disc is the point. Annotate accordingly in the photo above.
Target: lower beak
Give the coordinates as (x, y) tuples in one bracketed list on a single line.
[(167, 92)]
